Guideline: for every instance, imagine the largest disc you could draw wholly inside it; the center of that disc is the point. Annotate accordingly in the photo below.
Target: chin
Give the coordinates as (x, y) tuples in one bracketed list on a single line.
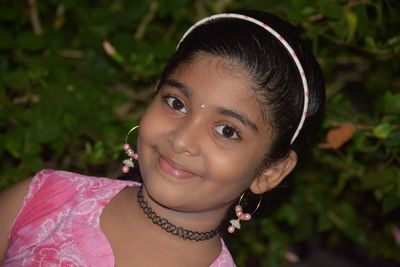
[(166, 197)]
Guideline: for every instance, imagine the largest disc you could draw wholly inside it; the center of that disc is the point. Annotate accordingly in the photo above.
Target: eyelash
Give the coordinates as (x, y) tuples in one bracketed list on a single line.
[(235, 130), (165, 99)]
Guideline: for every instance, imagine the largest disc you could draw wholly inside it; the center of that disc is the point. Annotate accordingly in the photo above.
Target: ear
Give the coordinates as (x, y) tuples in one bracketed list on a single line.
[(271, 176)]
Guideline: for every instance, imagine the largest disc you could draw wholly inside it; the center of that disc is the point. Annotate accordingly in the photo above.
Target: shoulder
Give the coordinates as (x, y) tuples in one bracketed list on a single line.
[(38, 194), (58, 180), (51, 189), (225, 258), (10, 203)]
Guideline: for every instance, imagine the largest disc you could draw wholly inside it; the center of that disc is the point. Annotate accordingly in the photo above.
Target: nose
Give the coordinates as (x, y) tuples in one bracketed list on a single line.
[(185, 138)]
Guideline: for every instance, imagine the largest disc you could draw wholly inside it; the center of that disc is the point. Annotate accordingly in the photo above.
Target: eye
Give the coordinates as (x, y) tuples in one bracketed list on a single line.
[(175, 103), (227, 131)]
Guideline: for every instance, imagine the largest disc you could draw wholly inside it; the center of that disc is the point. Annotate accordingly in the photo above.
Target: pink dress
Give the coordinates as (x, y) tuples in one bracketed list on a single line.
[(59, 223)]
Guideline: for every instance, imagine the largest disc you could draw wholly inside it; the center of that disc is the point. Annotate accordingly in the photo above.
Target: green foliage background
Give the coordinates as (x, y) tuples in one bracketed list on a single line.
[(67, 104)]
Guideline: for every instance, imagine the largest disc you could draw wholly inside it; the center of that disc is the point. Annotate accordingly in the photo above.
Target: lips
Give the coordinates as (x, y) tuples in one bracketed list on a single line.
[(174, 169)]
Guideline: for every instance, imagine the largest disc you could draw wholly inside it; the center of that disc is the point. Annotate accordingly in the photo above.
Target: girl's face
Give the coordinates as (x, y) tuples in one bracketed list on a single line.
[(202, 137)]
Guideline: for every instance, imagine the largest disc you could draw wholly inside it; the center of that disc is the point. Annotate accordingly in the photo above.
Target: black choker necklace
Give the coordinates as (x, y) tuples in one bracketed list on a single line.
[(169, 227)]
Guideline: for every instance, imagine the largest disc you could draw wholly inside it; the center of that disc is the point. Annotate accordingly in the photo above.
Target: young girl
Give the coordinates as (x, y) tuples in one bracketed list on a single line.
[(231, 110)]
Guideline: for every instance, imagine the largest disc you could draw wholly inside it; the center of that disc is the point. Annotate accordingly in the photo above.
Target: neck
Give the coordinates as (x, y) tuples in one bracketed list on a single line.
[(192, 226)]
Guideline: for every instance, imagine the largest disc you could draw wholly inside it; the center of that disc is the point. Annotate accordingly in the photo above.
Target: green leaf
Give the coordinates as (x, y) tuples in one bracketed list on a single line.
[(352, 25), (382, 130), (30, 41), (363, 143), (393, 140), (3, 97), (288, 214), (347, 211), (378, 178), (11, 174), (45, 128), (17, 79), (32, 148), (330, 8), (33, 161), (391, 102), (13, 141), (370, 42), (6, 39), (9, 13), (324, 223), (390, 203)]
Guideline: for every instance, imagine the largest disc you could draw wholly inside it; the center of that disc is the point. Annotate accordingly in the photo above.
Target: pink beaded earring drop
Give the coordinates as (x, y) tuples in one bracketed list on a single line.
[(128, 163), (241, 216)]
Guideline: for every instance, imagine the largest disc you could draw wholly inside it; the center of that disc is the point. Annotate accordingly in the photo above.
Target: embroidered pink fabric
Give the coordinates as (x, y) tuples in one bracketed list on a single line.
[(59, 223)]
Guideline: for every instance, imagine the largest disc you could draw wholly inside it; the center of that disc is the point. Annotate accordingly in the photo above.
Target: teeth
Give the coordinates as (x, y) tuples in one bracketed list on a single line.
[(128, 162)]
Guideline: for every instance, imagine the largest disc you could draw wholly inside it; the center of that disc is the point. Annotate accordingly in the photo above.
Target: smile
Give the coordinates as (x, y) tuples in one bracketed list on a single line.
[(173, 169)]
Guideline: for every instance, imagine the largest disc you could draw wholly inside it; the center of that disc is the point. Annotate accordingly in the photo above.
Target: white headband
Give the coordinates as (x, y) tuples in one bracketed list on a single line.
[(281, 39)]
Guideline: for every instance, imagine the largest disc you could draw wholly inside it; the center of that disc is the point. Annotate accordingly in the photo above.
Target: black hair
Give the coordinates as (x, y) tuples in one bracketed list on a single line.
[(271, 68)]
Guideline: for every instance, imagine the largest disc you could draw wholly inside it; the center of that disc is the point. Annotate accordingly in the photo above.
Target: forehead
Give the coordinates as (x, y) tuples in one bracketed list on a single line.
[(219, 82)]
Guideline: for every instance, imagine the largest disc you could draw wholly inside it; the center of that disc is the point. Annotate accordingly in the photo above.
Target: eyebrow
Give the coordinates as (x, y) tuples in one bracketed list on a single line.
[(224, 111), (245, 121), (180, 86)]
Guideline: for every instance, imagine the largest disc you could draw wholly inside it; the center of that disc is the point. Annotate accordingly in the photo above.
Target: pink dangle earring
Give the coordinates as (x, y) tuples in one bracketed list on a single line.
[(128, 163), (241, 216)]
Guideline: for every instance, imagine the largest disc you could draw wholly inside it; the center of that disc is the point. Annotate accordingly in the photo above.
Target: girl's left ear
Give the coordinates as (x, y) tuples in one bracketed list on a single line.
[(271, 176)]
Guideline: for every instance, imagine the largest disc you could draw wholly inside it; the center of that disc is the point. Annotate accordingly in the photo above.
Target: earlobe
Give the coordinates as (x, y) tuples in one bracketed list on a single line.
[(274, 174)]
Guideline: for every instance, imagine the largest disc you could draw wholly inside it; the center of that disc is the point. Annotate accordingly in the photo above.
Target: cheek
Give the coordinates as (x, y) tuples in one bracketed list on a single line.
[(148, 131), (146, 147), (151, 122), (234, 167), (153, 131)]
